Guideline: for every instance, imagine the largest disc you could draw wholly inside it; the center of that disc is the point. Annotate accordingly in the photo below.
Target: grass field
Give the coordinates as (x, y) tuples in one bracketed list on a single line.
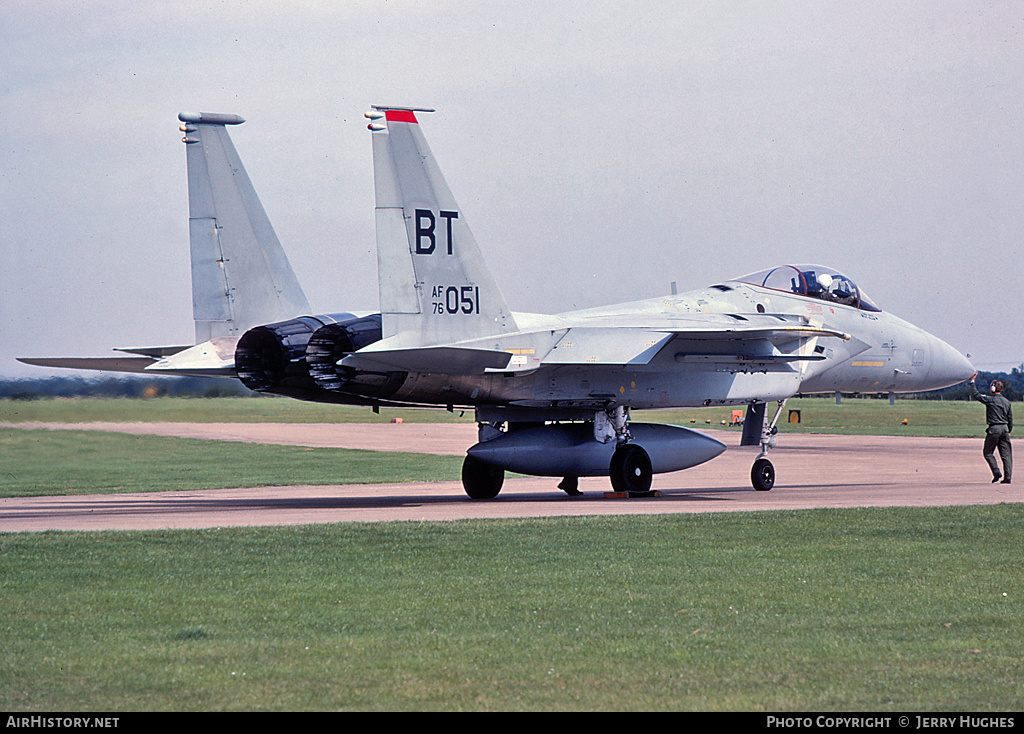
[(219, 410), (44, 462), (854, 415), (825, 610), (38, 462), (844, 610)]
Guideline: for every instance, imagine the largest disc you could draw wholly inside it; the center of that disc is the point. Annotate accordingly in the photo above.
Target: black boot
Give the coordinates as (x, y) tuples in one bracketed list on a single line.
[(570, 485)]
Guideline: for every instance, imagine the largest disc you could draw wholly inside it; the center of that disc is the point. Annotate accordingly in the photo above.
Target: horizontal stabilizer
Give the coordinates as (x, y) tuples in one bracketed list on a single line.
[(213, 358), (147, 356), (105, 364), (155, 352)]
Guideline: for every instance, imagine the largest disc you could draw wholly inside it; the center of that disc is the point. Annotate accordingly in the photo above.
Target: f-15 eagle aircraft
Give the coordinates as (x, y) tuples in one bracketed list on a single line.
[(552, 394)]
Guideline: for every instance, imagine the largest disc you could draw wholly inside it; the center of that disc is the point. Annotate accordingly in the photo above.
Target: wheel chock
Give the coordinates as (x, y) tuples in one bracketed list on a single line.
[(631, 495)]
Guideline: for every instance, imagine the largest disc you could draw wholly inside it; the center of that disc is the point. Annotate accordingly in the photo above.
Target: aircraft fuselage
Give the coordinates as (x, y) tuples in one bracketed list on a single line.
[(883, 354)]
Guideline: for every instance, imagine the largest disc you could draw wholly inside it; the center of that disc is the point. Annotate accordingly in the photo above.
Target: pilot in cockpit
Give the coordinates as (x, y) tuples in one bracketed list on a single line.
[(812, 281), (836, 290)]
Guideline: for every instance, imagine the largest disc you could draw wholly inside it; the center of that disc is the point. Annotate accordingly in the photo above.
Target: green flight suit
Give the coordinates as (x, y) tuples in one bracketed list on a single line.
[(999, 416)]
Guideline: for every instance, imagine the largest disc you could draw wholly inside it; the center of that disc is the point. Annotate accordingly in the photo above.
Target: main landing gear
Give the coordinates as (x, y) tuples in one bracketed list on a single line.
[(762, 474), (630, 469), (630, 473), (482, 481)]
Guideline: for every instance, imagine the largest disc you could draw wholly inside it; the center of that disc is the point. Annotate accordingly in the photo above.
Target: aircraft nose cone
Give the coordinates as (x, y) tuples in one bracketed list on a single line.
[(948, 366)]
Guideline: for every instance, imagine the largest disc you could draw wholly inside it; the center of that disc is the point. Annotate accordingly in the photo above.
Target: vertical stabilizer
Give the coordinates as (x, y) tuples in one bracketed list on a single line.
[(434, 285), (240, 275)]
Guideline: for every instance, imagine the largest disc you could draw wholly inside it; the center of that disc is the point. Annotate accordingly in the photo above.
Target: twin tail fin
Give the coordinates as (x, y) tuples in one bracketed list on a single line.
[(435, 288)]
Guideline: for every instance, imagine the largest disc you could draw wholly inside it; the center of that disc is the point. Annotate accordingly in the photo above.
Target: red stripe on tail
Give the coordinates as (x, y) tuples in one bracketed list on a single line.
[(400, 116)]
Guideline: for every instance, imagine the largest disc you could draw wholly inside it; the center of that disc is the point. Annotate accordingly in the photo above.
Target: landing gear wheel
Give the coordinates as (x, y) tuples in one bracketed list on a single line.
[(762, 475), (482, 481), (630, 469)]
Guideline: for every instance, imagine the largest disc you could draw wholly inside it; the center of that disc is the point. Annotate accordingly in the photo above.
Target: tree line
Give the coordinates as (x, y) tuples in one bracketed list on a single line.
[(121, 386), (1013, 386)]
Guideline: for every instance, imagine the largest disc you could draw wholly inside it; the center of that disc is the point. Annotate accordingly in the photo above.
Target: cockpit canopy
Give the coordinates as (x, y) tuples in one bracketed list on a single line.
[(812, 281)]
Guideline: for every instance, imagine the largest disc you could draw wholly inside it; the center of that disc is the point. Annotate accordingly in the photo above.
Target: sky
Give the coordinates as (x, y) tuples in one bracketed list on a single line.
[(599, 151)]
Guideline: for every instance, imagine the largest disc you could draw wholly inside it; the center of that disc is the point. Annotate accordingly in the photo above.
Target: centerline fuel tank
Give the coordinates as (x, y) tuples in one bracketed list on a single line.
[(569, 449)]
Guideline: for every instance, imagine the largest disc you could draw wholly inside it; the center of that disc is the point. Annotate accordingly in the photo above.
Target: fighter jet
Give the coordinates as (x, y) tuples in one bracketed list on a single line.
[(552, 394)]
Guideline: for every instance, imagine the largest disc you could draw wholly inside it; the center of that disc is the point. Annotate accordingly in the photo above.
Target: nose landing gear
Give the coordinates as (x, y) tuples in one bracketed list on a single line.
[(762, 474)]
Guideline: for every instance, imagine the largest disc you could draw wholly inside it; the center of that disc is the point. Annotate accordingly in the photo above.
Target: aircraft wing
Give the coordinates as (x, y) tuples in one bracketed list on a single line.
[(635, 346), (749, 342), (638, 339), (607, 345)]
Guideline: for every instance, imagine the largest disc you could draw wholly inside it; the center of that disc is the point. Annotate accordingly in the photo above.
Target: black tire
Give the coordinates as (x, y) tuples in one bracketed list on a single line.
[(482, 481), (762, 475), (630, 469)]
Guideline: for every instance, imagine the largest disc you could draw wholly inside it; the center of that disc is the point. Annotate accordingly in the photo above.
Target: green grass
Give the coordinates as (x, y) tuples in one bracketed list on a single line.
[(818, 415), (830, 610), (44, 462), (38, 462), (863, 416), (216, 410)]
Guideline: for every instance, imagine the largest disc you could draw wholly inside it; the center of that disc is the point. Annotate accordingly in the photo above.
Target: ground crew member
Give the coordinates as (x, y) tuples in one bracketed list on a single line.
[(999, 416)]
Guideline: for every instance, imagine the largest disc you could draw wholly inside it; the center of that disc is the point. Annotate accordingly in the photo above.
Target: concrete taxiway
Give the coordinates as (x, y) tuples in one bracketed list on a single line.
[(812, 471)]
